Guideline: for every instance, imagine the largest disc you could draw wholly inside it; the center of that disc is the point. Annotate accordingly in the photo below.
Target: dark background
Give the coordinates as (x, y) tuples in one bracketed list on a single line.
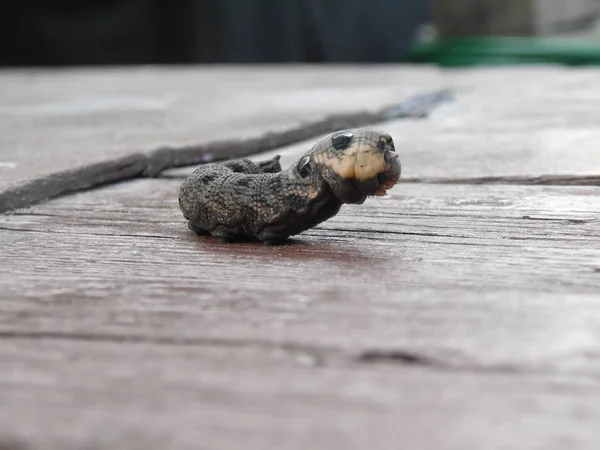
[(79, 32)]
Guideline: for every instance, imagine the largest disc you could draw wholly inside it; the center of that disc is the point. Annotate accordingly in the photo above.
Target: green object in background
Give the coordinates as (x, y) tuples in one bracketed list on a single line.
[(470, 51)]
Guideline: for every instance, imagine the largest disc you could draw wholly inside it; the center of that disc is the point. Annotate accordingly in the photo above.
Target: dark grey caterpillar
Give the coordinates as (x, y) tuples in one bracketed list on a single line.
[(241, 200)]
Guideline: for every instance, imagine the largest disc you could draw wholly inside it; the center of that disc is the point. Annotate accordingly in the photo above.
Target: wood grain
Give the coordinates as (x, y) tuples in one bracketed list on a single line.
[(152, 164), (464, 309), (443, 316), (528, 121), (57, 120), (457, 242), (72, 395)]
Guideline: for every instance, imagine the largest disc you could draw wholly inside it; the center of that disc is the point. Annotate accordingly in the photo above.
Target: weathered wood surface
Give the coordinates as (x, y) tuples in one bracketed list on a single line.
[(509, 122), (54, 121), (439, 317), (62, 120), (462, 309)]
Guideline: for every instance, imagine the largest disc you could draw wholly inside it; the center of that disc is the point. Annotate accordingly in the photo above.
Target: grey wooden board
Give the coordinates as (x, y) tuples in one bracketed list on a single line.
[(540, 120), (503, 122), (57, 120), (468, 310)]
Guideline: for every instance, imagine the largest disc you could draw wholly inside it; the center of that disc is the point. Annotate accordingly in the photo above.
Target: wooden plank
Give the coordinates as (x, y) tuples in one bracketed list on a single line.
[(434, 149), (503, 122), (534, 115), (57, 120), (479, 264), (464, 309), (152, 164), (65, 394)]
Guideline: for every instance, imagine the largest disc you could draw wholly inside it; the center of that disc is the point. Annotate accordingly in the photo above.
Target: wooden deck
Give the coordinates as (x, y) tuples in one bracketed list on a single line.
[(460, 312)]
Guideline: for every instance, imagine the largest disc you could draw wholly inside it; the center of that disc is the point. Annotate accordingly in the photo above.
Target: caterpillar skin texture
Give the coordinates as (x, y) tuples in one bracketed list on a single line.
[(239, 200)]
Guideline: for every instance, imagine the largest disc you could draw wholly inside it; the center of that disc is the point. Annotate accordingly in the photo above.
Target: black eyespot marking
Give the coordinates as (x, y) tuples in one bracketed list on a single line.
[(304, 168), (385, 141), (341, 140)]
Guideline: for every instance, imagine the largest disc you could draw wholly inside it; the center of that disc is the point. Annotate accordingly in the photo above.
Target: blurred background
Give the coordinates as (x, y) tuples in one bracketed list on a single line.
[(444, 32)]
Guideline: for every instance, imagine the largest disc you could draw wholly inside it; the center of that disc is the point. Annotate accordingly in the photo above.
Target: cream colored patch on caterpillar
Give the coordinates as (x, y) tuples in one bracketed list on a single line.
[(342, 164), (362, 162), (369, 163)]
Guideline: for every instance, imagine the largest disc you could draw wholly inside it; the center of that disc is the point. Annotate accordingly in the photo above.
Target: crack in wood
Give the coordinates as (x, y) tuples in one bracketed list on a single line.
[(551, 219), (403, 233), (408, 358), (317, 355), (49, 231), (314, 356), (539, 180), (396, 356), (305, 355)]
